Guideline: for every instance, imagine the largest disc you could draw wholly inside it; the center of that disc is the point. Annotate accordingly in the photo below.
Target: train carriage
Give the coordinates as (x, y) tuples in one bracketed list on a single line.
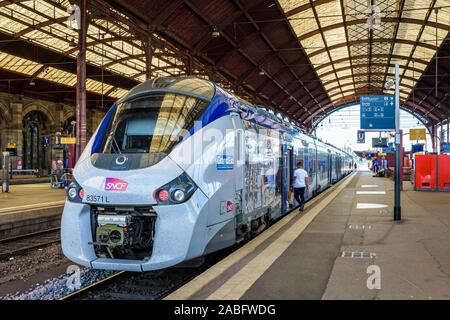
[(180, 168)]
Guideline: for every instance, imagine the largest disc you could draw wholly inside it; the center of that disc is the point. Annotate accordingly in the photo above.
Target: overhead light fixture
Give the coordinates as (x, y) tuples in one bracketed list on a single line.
[(215, 33), (32, 83), (261, 73), (72, 43), (389, 84)]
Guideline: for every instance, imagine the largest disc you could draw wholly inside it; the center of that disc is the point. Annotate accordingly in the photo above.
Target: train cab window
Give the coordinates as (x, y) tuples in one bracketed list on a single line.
[(153, 124)]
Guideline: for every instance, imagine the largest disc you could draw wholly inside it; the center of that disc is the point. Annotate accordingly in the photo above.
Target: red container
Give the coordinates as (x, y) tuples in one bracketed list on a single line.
[(425, 166), (444, 172)]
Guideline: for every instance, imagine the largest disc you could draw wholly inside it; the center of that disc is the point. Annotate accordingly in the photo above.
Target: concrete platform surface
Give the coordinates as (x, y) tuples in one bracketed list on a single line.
[(23, 196), (30, 208), (345, 246)]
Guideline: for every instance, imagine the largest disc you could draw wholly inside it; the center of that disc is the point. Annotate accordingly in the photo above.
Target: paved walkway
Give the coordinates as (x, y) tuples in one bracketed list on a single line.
[(25, 196), (346, 246), (412, 256)]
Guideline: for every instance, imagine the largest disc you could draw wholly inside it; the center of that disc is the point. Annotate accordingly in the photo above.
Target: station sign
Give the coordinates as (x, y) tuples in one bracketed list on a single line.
[(12, 149), (417, 148), (445, 147), (417, 134), (379, 142), (361, 136), (377, 112), (68, 140)]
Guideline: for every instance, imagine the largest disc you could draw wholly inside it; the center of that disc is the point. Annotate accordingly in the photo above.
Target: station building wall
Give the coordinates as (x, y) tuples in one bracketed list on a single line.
[(29, 123)]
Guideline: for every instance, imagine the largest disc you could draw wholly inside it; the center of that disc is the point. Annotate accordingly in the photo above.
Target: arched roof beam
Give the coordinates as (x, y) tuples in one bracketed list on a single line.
[(366, 41), (355, 97), (395, 56), (377, 73), (364, 21)]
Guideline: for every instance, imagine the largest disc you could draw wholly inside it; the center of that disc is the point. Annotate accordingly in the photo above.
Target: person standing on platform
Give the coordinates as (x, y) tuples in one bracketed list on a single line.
[(300, 183), (375, 165)]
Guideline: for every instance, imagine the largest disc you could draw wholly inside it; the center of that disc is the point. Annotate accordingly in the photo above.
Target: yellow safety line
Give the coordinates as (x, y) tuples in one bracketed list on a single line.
[(189, 289), (91, 285)]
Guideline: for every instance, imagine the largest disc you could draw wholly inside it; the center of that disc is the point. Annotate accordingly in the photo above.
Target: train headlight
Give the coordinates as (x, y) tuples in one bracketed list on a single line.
[(72, 193), (75, 193), (177, 191), (178, 195)]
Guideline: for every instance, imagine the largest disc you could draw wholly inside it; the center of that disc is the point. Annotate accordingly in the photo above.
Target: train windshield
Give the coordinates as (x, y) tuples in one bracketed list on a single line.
[(152, 124)]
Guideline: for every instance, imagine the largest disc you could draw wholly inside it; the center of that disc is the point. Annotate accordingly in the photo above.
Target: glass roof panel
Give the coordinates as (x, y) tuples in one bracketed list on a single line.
[(335, 36), (329, 13), (340, 65), (347, 87), (26, 16), (410, 9), (97, 86), (313, 43), (344, 73), (339, 53), (303, 22), (407, 82), (320, 58), (118, 93), (288, 5), (20, 65), (323, 70), (59, 76), (423, 53)]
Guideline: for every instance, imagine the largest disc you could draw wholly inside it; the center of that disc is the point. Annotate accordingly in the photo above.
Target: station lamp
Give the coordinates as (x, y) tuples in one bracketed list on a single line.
[(215, 33), (389, 84), (72, 43)]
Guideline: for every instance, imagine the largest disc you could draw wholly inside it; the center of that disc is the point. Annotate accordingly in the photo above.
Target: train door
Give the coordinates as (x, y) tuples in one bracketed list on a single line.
[(315, 155), (251, 171), (330, 168), (287, 169)]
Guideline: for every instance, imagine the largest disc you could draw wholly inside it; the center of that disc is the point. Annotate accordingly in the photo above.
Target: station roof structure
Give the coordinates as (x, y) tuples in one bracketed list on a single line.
[(304, 58)]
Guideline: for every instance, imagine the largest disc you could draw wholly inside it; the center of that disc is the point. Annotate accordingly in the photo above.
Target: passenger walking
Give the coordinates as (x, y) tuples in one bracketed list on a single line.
[(375, 165), (300, 183)]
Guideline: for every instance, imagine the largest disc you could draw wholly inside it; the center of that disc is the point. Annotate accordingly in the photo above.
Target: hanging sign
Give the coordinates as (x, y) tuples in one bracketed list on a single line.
[(68, 140)]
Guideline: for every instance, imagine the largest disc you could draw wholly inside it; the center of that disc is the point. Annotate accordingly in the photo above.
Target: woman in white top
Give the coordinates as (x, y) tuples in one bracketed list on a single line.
[(300, 183)]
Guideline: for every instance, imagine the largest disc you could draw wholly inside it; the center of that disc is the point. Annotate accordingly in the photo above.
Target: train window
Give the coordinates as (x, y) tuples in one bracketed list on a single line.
[(153, 124)]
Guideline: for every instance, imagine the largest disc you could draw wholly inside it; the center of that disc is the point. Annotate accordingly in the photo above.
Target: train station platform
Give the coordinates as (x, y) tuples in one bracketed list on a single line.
[(29, 208), (345, 246)]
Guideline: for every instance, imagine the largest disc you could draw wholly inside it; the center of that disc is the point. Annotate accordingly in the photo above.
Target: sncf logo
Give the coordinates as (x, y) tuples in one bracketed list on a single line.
[(113, 184)]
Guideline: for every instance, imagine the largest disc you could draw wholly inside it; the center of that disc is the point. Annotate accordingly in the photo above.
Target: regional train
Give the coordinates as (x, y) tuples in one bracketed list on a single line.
[(180, 168)]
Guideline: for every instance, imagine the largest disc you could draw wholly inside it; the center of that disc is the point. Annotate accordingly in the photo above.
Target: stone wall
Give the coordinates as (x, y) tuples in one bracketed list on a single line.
[(13, 108)]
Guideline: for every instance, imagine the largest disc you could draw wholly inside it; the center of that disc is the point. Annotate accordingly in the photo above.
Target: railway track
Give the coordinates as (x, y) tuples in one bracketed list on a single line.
[(151, 285), (20, 244)]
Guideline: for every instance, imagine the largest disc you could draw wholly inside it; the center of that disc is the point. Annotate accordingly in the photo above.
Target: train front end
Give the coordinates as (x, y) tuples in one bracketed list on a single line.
[(131, 206)]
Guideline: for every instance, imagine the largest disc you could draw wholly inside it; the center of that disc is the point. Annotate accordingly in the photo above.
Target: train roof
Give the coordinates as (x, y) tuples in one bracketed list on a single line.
[(191, 86), (205, 90)]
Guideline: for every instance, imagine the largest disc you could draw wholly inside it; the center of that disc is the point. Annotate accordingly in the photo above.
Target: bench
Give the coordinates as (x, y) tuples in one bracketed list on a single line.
[(19, 173)]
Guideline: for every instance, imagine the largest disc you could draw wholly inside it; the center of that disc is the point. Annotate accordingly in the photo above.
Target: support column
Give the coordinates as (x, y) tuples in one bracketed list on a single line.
[(57, 154), (447, 129), (81, 81), (189, 65), (15, 132), (433, 137), (148, 50)]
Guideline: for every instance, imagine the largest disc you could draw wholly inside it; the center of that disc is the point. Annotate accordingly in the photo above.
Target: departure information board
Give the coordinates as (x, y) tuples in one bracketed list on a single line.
[(377, 112)]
